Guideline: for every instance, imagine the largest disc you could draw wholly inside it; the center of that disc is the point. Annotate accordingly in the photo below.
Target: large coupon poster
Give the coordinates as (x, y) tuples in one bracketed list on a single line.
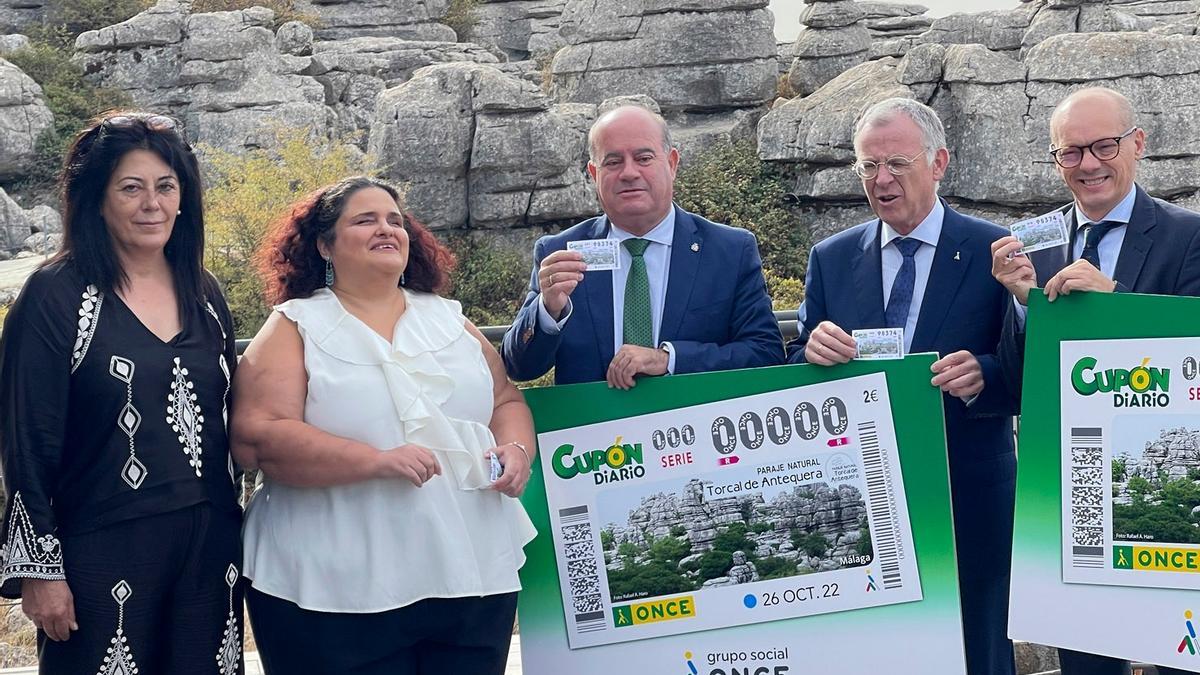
[(752, 521), (1106, 550), (1131, 476)]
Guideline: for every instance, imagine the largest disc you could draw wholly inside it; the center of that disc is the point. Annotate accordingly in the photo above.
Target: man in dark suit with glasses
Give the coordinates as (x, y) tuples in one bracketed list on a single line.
[(1122, 239)]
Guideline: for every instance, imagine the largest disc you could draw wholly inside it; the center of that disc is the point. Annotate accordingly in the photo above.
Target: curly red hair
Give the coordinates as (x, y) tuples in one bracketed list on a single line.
[(292, 267)]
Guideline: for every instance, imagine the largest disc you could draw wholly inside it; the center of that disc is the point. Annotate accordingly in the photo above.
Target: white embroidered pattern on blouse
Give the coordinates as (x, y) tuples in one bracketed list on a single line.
[(230, 651), (119, 658), (25, 554), (128, 420), (89, 316), (225, 411), (184, 416)]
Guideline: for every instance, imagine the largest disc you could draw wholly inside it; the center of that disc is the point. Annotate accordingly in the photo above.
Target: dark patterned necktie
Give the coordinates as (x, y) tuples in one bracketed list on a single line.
[(896, 315), (1091, 243), (638, 324)]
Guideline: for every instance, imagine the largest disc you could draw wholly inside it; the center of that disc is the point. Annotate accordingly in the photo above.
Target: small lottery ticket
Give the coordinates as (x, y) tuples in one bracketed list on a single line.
[(599, 254), (879, 343), (497, 469), (1045, 231)]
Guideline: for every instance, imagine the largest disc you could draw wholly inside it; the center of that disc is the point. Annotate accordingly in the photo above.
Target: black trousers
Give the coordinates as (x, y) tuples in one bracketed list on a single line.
[(162, 592), (1080, 663), (433, 636)]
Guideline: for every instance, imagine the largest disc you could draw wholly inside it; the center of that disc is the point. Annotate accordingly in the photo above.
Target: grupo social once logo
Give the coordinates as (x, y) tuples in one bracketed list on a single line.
[(1143, 386)]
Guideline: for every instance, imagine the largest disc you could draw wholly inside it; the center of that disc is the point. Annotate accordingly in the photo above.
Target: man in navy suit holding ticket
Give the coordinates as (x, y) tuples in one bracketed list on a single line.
[(687, 295), (925, 269), (1121, 240)]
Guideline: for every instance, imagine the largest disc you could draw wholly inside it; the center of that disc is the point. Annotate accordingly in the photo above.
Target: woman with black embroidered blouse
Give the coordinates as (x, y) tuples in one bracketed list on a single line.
[(121, 528)]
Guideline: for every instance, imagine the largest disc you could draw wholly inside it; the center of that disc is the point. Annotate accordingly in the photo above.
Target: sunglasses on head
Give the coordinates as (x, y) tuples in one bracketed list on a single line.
[(152, 122)]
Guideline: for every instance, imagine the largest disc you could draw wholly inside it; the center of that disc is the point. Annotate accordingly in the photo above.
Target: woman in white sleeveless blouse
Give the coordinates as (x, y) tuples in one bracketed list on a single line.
[(377, 542)]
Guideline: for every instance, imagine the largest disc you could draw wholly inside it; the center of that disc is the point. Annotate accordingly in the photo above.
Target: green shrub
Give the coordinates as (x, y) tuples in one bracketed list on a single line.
[(247, 192), (490, 278), (285, 10), (462, 17), (730, 184)]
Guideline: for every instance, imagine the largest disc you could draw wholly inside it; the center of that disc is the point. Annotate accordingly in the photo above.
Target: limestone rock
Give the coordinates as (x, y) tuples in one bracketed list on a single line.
[(405, 19), (477, 147), (823, 54), (817, 129), (832, 14), (520, 28), (229, 75), (17, 15), (998, 30), (353, 72), (923, 64), (1107, 56), (23, 117), (11, 43), (294, 38), (14, 223), (42, 243), (721, 57), (891, 20)]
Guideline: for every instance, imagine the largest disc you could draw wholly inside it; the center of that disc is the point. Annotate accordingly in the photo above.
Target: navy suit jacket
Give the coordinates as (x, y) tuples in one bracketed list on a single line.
[(963, 308), (717, 314), (1160, 255)]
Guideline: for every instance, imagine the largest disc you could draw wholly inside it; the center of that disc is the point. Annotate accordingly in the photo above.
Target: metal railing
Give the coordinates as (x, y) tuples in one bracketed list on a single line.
[(786, 320)]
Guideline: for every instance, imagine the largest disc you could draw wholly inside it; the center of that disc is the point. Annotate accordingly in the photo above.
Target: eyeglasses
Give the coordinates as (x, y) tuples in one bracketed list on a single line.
[(897, 165), (1070, 156)]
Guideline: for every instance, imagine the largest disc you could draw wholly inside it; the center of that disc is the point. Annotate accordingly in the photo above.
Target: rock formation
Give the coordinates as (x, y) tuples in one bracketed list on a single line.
[(405, 19), (835, 40), (17, 224), (709, 64), (222, 73), (478, 147), (17, 15), (23, 117), (996, 107), (520, 28), (1175, 452)]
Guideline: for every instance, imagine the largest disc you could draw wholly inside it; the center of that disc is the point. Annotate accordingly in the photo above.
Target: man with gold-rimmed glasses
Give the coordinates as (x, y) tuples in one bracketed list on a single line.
[(923, 268), (1121, 239)]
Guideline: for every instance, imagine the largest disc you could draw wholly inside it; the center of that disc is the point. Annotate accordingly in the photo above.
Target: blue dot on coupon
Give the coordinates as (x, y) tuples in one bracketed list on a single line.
[(749, 601)]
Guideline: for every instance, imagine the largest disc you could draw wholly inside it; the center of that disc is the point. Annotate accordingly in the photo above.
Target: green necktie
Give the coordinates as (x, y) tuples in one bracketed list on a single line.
[(638, 324)]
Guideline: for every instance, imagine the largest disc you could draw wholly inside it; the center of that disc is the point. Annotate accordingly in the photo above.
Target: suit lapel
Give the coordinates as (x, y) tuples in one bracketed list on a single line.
[(685, 264), (1136, 245), (599, 297), (868, 278), (950, 262)]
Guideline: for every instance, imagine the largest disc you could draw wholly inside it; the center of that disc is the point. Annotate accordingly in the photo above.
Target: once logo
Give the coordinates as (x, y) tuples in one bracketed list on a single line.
[(1189, 368)]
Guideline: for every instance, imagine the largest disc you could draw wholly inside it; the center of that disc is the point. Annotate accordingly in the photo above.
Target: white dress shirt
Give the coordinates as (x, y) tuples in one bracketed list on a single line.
[(658, 268), (928, 232), (1109, 248)]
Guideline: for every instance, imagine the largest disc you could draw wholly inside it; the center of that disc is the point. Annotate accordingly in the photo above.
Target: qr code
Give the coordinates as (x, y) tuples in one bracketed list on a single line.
[(1088, 536), (1087, 515), (1087, 496), (1091, 475), (590, 602), (1087, 456), (576, 532), (580, 549), (578, 569)]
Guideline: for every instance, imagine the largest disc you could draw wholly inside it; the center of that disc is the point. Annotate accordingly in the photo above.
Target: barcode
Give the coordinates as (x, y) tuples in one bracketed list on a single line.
[(583, 572), (1087, 497), (883, 527)]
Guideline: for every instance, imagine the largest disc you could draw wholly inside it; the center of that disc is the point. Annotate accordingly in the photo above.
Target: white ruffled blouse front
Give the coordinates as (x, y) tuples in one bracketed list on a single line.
[(384, 544)]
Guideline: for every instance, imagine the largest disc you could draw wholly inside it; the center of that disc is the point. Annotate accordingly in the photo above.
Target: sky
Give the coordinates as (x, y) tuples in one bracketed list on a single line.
[(787, 12)]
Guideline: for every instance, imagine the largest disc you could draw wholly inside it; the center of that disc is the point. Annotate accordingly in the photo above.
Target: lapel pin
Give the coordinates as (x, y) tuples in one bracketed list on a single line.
[(956, 255), (695, 248)]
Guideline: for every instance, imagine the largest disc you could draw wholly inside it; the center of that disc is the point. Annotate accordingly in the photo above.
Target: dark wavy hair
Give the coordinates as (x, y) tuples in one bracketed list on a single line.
[(292, 267), (87, 168)]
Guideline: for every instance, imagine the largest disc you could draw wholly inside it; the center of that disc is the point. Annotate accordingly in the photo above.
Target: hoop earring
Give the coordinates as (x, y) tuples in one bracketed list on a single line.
[(329, 272)]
